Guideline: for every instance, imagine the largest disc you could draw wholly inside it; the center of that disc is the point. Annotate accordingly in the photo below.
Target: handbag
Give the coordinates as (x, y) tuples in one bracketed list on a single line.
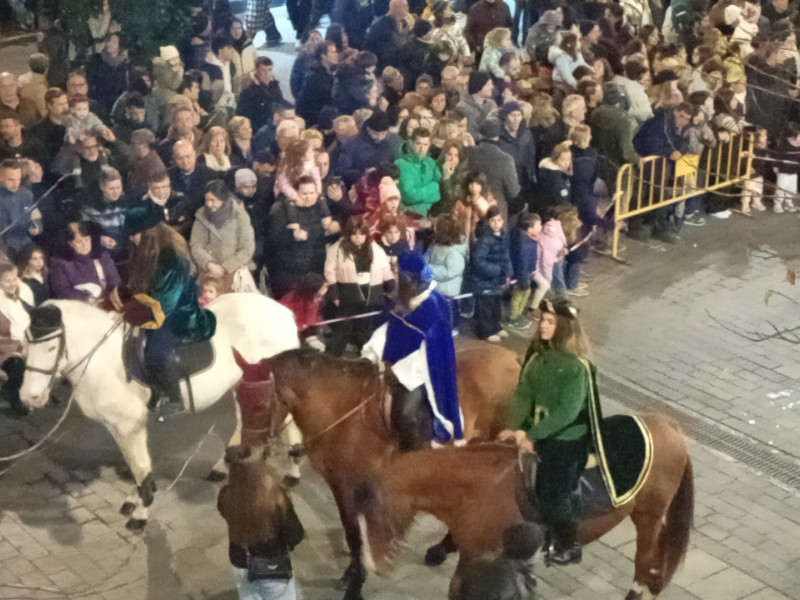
[(272, 567)]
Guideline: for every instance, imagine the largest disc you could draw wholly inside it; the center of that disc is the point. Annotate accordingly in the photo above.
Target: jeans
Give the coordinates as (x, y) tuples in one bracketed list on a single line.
[(264, 589), (558, 285)]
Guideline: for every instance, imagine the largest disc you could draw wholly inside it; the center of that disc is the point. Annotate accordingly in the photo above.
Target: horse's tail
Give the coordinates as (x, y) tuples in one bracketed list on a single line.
[(674, 539)]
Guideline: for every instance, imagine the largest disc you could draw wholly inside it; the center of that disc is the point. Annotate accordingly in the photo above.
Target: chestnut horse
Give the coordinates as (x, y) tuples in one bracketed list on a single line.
[(473, 490)]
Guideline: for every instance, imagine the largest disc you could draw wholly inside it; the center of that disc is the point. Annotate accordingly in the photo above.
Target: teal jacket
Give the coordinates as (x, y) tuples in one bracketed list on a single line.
[(176, 290), (419, 182), (552, 397)]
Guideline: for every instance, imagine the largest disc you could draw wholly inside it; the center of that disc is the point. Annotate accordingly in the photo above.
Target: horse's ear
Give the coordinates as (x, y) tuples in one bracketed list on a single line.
[(45, 320), (243, 364)]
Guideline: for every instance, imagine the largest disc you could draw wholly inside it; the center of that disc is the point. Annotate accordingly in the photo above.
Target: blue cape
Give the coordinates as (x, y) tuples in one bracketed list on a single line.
[(430, 322)]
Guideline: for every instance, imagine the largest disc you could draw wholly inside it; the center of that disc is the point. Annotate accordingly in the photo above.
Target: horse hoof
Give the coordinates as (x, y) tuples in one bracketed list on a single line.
[(435, 555), (216, 476), (127, 509), (633, 595), (136, 525), (290, 481)]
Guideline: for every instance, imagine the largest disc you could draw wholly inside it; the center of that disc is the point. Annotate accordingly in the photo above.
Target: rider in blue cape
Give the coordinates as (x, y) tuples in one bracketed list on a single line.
[(417, 343)]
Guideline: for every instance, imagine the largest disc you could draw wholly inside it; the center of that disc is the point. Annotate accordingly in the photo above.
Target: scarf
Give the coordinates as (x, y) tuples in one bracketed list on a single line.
[(14, 310), (221, 216)]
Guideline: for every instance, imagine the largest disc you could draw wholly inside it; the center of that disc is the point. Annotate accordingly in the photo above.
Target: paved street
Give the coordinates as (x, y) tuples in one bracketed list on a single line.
[(672, 333)]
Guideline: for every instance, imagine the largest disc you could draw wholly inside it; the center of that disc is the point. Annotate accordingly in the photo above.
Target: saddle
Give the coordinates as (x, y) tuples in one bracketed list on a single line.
[(190, 358), (610, 478)]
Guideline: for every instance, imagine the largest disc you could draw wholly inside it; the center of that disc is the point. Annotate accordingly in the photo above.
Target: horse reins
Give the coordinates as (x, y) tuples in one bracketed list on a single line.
[(341, 419)]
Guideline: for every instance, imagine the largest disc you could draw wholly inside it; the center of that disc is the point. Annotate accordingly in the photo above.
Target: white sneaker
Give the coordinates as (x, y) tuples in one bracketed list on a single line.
[(789, 206), (723, 214), (495, 339), (757, 205), (502, 333), (777, 207)]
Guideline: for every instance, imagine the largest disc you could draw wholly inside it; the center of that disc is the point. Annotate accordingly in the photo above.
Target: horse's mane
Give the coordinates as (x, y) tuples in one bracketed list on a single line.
[(308, 358)]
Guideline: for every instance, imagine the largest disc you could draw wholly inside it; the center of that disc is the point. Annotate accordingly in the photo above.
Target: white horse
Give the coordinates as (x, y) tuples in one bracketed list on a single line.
[(87, 350)]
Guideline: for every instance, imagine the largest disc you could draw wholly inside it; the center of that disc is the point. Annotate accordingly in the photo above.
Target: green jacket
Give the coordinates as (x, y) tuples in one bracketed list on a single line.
[(419, 182), (552, 395)]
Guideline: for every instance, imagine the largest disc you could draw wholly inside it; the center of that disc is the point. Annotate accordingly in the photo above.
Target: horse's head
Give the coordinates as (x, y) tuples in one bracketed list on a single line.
[(261, 417), (46, 354)]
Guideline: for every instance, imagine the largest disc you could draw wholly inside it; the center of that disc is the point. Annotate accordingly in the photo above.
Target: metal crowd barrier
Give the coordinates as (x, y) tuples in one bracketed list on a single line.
[(657, 181)]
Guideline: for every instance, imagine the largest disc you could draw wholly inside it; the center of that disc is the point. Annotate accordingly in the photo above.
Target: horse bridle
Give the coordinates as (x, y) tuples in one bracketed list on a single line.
[(62, 350), (62, 353)]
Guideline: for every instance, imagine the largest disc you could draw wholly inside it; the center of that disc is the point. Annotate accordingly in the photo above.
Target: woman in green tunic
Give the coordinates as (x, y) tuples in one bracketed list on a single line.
[(556, 387)]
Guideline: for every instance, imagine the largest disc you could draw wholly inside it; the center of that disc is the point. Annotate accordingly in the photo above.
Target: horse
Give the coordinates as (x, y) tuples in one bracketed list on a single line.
[(473, 489), (487, 377), (87, 349)]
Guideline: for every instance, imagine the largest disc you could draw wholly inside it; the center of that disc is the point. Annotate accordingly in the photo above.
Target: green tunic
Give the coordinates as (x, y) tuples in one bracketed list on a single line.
[(551, 398)]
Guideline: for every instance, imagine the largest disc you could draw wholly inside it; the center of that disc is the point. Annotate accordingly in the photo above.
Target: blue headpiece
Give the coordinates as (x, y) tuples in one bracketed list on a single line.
[(414, 264)]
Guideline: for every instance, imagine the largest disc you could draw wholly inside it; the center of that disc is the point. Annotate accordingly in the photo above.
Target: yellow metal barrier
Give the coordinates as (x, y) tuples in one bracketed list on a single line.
[(657, 181)]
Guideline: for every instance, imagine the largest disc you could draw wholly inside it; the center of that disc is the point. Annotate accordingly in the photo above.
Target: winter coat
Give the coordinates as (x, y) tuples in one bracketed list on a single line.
[(257, 101), (351, 89), (288, 255), (491, 262), (612, 137), (75, 269), (13, 323), (585, 170), (524, 252), (14, 208), (552, 246), (564, 65), (419, 182), (658, 136), (523, 150), (554, 187), (317, 91), (490, 61), (499, 168), (167, 81), (230, 246), (447, 264), (355, 16), (361, 152), (341, 276), (383, 39), (476, 113), (640, 103), (300, 67)]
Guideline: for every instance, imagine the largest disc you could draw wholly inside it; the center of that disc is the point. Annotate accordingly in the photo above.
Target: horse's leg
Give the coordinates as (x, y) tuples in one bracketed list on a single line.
[(294, 439), (355, 574), (648, 569), (133, 445), (437, 553), (219, 472)]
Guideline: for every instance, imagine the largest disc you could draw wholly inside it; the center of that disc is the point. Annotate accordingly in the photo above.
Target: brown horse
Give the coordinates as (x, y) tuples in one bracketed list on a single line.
[(335, 403)]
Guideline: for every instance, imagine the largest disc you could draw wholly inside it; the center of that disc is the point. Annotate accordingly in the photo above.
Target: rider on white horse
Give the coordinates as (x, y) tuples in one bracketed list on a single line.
[(417, 336), (163, 284)]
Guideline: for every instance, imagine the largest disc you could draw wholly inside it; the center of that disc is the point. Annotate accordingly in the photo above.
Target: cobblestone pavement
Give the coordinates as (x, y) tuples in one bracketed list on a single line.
[(670, 329)]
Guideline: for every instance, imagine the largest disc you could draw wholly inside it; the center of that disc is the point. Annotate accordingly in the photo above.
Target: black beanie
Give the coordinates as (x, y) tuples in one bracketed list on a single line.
[(477, 79)]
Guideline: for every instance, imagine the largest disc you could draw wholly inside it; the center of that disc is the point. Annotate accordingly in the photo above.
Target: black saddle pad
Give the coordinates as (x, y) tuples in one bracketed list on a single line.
[(192, 357), (628, 456)]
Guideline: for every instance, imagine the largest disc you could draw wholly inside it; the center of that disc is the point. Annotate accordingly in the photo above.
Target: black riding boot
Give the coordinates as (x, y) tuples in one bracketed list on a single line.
[(163, 369), (412, 420), (14, 368), (567, 549)]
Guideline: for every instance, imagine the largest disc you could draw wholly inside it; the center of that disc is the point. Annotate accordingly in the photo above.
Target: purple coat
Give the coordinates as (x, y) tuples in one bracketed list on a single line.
[(75, 269)]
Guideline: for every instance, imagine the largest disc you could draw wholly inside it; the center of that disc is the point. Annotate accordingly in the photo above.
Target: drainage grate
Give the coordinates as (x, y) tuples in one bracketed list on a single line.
[(782, 466)]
